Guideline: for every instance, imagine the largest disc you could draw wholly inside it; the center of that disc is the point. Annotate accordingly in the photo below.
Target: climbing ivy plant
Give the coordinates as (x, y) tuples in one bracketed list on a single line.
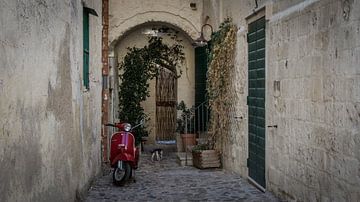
[(221, 65), (138, 67)]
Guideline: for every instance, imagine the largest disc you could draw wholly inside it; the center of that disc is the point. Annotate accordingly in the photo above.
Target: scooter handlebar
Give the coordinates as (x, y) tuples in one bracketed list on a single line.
[(110, 124)]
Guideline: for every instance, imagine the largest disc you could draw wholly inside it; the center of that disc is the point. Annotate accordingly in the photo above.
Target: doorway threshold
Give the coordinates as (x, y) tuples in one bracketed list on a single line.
[(253, 182)]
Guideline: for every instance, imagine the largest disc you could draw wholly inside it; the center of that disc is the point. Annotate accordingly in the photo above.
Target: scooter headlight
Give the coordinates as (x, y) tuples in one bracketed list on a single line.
[(127, 127)]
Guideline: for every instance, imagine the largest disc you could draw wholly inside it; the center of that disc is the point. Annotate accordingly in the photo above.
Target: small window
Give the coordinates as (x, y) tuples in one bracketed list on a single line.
[(86, 48), (86, 45)]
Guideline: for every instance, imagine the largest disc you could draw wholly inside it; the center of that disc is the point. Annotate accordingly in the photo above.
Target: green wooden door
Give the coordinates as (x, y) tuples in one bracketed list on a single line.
[(256, 101)]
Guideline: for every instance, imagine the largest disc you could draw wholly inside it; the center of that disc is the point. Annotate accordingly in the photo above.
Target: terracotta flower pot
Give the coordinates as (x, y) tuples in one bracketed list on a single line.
[(188, 139)]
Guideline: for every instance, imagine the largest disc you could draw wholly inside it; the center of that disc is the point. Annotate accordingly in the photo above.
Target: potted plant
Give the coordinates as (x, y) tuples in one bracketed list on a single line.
[(185, 125)]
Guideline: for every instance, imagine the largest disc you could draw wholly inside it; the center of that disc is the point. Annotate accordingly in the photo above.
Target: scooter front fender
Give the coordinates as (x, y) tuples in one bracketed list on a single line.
[(122, 157)]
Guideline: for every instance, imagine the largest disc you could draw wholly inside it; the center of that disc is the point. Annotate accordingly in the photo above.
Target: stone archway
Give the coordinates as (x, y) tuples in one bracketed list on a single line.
[(120, 29)]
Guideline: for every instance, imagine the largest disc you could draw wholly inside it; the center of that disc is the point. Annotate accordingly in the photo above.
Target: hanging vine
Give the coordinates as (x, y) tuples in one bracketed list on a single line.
[(221, 64), (138, 67)]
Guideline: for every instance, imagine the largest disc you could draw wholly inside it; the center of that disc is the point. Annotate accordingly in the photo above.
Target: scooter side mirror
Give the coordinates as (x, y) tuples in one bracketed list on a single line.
[(142, 122)]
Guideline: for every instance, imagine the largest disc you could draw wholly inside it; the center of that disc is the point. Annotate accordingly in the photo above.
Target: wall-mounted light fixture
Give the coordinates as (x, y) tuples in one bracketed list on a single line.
[(201, 41)]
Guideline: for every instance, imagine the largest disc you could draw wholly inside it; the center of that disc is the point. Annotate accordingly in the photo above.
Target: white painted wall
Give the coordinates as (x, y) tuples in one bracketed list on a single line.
[(50, 127)]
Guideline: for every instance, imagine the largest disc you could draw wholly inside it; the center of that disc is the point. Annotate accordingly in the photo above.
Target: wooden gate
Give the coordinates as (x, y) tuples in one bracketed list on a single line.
[(166, 97)]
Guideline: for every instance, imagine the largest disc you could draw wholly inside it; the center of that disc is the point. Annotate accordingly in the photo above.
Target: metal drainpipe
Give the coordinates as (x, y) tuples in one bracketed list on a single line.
[(105, 87)]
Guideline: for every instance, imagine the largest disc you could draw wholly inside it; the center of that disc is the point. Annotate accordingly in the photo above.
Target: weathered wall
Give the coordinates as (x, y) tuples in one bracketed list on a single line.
[(50, 127), (312, 48), (186, 83), (314, 52)]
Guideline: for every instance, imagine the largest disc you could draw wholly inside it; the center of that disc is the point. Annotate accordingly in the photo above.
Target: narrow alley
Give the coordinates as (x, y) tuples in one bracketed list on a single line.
[(261, 96), (168, 181)]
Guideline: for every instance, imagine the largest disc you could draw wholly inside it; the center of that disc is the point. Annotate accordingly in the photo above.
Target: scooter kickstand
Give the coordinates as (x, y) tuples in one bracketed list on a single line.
[(134, 180)]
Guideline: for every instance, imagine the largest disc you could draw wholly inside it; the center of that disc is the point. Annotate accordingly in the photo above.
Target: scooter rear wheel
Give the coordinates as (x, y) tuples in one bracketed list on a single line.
[(121, 176)]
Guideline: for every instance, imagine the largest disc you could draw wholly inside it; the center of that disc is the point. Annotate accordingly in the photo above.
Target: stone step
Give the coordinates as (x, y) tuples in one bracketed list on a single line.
[(184, 159)]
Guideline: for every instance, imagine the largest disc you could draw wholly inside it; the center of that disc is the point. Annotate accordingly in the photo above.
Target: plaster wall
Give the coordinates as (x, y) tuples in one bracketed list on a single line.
[(186, 83), (312, 49), (50, 126)]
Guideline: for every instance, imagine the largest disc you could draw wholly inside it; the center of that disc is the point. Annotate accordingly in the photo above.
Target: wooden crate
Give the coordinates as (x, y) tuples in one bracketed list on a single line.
[(206, 159)]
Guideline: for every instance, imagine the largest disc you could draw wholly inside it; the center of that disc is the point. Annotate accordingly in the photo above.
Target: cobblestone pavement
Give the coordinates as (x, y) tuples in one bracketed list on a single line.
[(167, 181)]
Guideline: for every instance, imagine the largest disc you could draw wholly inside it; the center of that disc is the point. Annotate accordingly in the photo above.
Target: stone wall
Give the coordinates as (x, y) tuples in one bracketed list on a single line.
[(50, 125), (312, 49)]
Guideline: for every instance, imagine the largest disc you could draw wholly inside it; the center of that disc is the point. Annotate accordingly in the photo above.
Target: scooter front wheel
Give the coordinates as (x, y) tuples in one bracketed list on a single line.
[(120, 176)]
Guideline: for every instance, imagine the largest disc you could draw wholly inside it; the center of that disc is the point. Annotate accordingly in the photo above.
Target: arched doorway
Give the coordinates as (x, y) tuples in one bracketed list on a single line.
[(166, 90)]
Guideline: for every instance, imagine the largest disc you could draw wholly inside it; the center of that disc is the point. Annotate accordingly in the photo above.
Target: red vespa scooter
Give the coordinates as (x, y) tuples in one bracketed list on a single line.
[(124, 156)]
